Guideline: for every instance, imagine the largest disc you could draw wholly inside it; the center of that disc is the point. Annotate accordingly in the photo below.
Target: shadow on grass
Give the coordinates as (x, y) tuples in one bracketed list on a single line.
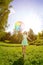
[(20, 61)]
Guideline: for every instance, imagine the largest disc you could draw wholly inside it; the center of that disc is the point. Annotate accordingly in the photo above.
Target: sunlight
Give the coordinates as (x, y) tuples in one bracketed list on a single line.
[(32, 21)]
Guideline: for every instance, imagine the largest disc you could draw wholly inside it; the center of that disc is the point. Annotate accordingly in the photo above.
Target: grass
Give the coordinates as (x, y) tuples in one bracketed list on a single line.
[(11, 54)]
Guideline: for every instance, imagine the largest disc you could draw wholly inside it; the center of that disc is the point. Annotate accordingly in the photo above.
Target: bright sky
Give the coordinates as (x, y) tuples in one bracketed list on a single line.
[(30, 12)]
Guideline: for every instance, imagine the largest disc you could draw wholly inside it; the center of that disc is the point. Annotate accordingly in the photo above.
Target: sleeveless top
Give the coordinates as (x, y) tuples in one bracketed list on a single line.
[(24, 41)]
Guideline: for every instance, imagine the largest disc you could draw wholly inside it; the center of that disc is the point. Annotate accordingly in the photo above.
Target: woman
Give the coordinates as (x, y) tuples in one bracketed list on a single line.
[(24, 42)]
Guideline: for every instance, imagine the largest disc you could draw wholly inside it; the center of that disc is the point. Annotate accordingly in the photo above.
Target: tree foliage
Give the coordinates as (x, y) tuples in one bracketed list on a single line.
[(4, 11), (31, 34), (40, 35), (17, 38)]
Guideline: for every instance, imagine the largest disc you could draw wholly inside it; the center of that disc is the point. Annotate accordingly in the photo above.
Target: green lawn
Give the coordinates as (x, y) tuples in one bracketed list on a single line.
[(11, 54)]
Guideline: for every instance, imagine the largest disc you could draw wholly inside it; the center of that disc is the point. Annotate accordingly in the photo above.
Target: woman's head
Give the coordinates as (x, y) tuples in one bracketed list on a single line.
[(25, 32)]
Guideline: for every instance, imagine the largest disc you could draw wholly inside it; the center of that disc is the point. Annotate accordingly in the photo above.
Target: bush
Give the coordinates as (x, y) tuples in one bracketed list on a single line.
[(36, 42)]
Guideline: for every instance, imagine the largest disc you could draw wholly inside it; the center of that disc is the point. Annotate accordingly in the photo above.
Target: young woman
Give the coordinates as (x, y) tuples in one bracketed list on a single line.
[(24, 43)]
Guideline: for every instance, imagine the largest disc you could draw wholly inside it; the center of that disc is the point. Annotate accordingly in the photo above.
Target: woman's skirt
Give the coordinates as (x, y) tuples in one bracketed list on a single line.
[(24, 42)]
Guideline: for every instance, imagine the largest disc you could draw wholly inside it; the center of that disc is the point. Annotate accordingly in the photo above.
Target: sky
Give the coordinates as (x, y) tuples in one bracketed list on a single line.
[(30, 12)]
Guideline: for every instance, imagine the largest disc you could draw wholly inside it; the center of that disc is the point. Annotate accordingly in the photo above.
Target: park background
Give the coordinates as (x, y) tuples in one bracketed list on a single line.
[(10, 42)]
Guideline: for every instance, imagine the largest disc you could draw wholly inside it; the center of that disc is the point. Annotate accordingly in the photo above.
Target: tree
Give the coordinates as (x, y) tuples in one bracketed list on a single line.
[(31, 34), (7, 36), (40, 35), (4, 11), (17, 38), (2, 35)]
